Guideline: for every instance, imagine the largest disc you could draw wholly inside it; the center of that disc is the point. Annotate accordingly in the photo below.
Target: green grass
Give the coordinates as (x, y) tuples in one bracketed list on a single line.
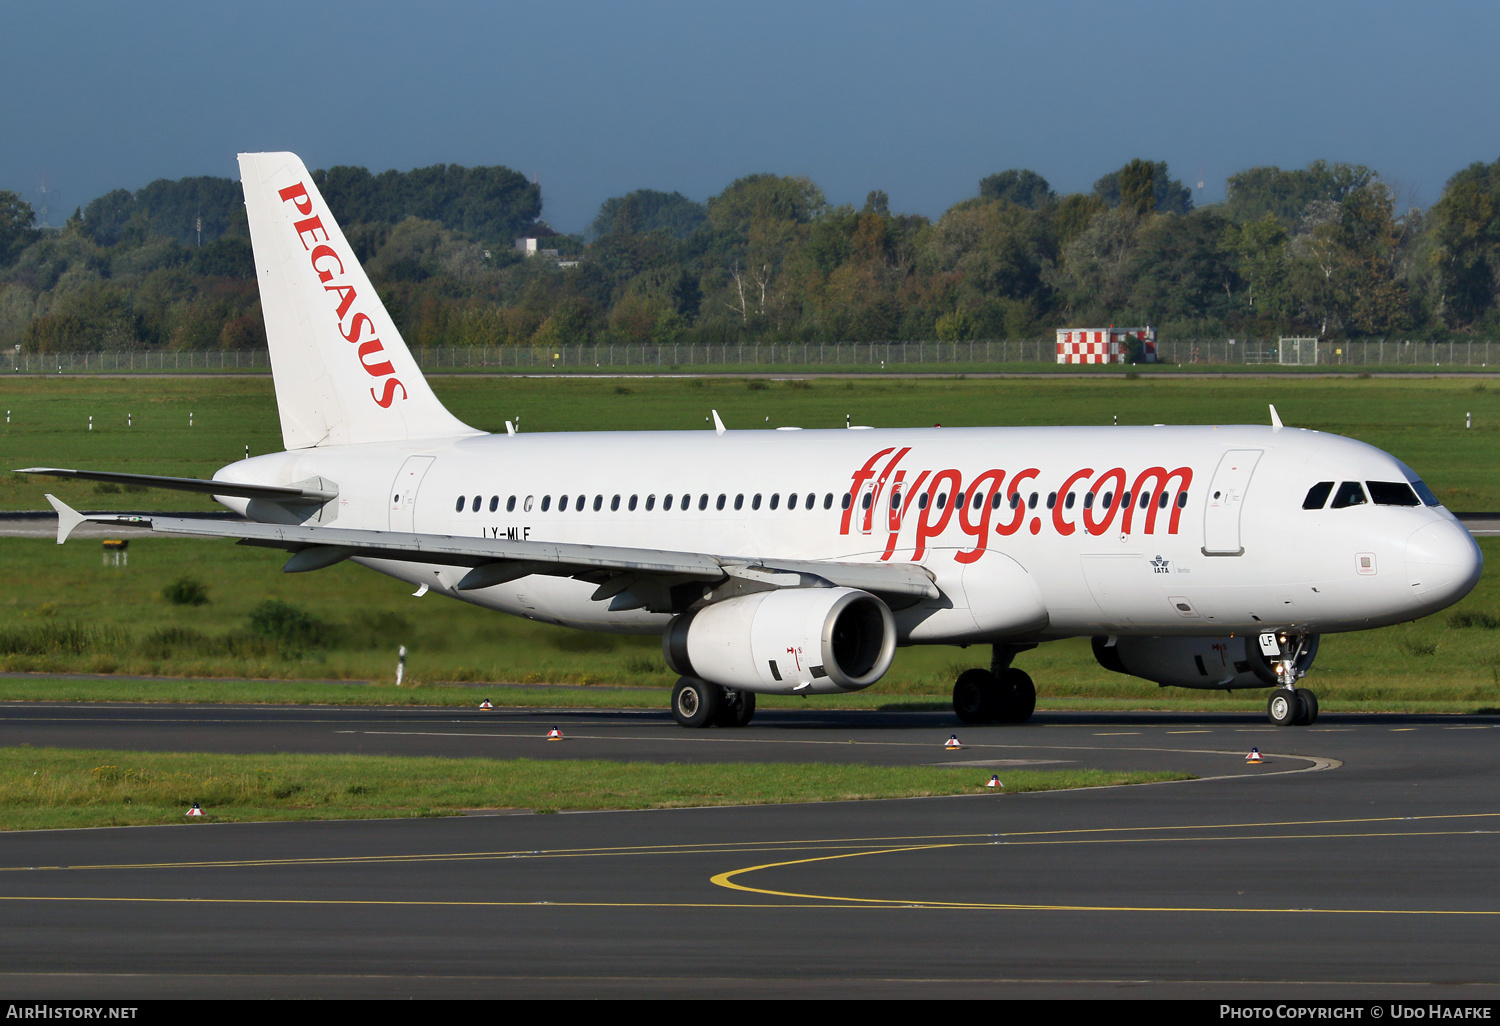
[(46, 788), (62, 611)]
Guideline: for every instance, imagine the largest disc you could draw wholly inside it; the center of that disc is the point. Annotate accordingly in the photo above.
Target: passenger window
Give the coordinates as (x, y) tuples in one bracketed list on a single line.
[(1392, 493), (614, 504), (995, 499), (1088, 500), (1068, 501), (895, 500), (528, 503), (578, 503), (1051, 500), (1125, 500), (775, 499), (864, 503), (477, 500), (1349, 494), (703, 501), (1162, 500), (739, 502), (562, 503), (979, 499), (510, 504), (791, 500), (1145, 499), (1182, 500), (666, 502), (1317, 495), (844, 502), (942, 500), (922, 500), (598, 503), (651, 502), (459, 508), (720, 503), (1031, 503), (812, 500), (1015, 500), (632, 503), (1108, 498), (828, 501), (546, 503), (687, 501), (755, 502)]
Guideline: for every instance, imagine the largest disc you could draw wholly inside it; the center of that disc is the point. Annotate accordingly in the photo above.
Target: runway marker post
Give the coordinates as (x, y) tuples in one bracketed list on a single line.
[(1254, 758), (953, 743)]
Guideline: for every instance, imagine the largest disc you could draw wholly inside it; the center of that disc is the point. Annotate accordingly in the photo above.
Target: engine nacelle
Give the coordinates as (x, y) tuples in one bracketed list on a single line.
[(807, 640), (1229, 663)]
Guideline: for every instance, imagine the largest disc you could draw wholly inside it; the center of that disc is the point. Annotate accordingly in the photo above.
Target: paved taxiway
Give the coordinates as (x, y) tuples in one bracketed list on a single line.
[(1374, 876)]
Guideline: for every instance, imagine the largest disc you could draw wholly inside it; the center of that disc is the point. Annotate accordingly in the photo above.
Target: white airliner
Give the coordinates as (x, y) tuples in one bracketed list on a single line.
[(795, 562)]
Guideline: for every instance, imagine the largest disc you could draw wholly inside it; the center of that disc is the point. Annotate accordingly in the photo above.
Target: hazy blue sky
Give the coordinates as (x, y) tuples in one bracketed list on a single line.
[(600, 98)]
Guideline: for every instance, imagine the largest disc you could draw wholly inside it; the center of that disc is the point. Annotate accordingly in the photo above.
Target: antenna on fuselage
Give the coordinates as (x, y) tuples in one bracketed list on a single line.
[(719, 428), (1276, 424)]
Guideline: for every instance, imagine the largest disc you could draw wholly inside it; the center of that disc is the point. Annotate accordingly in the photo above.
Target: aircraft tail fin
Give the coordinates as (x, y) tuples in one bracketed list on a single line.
[(342, 372)]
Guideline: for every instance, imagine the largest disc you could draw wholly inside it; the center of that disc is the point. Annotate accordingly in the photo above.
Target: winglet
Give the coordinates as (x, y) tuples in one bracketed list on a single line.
[(68, 518), (1276, 424), (718, 424)]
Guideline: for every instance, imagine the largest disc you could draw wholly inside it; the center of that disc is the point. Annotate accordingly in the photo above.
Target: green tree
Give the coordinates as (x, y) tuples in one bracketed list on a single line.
[(1019, 186), (1260, 191), (1466, 251), (1167, 194), (646, 210), (17, 226)]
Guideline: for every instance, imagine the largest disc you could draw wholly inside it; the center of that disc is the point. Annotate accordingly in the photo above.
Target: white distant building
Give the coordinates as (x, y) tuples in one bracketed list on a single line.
[(529, 248), (1104, 345)]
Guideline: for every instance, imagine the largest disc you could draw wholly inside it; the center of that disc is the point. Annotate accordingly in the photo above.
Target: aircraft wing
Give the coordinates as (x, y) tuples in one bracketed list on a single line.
[(493, 561), (306, 492)]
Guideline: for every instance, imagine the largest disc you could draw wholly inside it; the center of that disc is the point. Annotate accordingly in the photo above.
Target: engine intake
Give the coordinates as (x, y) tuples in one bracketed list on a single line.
[(807, 640)]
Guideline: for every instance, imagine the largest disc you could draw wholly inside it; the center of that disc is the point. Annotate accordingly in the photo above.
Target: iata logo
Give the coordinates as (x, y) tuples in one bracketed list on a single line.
[(329, 267), (882, 495), (1161, 566)]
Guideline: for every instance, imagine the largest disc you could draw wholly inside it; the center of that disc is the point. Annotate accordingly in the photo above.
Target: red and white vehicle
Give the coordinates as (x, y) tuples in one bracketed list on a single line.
[(788, 561)]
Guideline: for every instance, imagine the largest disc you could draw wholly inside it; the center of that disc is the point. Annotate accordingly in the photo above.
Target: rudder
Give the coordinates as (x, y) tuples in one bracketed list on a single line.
[(343, 373)]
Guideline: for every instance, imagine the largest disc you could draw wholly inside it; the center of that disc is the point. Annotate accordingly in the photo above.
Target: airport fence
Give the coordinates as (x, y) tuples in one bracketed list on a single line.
[(825, 356)]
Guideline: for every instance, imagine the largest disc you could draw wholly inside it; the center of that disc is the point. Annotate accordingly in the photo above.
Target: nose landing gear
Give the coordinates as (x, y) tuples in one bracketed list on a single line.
[(1288, 656)]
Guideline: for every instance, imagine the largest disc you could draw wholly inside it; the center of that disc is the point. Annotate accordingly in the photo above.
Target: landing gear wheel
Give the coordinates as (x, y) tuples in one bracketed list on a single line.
[(1309, 708), (976, 696), (1018, 696), (1284, 707), (737, 708), (695, 703)]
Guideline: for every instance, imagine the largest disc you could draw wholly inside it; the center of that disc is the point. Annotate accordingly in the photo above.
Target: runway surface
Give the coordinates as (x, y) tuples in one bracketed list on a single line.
[(1358, 861)]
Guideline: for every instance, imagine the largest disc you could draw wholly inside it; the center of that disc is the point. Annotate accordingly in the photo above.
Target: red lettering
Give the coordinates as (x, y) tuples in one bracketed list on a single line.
[(384, 401), (297, 194), (1062, 526), (926, 528), (1117, 475), (352, 335), (1158, 474), (1014, 495), (979, 532), (879, 488), (346, 300), (308, 228), (860, 477), (897, 515), (320, 253), (374, 348)]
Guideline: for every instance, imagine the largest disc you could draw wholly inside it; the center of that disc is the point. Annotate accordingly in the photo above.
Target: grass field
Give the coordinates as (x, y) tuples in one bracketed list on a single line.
[(62, 611), (49, 788)]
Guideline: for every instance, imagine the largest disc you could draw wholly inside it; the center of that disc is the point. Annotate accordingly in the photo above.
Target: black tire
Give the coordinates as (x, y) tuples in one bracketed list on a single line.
[(737, 709), (1018, 693), (1284, 708), (695, 703), (975, 695), (1309, 707)]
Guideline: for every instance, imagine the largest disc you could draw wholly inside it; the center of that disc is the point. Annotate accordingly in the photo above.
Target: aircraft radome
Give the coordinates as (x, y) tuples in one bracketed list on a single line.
[(795, 562)]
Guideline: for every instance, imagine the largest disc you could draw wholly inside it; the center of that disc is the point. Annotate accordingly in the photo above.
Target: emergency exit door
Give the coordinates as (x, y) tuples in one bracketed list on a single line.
[(404, 492), (1226, 497)]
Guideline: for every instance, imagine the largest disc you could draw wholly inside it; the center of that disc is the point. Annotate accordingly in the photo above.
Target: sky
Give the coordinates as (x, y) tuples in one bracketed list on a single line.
[(598, 98)]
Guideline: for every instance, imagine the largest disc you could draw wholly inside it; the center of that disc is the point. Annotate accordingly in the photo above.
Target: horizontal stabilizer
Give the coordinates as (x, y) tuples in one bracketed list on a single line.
[(67, 518), (271, 493)]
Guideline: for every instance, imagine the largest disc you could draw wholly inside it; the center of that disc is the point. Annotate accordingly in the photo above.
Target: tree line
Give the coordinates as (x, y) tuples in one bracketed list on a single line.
[(1326, 250)]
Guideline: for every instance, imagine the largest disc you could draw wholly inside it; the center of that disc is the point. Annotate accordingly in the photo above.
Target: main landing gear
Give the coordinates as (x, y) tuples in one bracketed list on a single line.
[(1289, 705), (697, 703), (1000, 694)]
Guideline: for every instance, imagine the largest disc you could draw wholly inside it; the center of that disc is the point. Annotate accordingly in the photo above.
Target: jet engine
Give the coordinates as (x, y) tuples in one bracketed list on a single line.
[(803, 640), (1226, 662)]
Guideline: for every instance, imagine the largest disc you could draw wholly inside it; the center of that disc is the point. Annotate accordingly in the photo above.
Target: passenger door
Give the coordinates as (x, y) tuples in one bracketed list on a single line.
[(1226, 496)]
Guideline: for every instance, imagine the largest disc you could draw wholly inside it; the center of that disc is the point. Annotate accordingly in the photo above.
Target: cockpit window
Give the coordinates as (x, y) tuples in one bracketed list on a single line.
[(1424, 493), (1392, 493), (1349, 494), (1317, 495)]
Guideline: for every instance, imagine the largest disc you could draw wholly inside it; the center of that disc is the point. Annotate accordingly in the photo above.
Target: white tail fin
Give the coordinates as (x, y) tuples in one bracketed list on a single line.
[(342, 372)]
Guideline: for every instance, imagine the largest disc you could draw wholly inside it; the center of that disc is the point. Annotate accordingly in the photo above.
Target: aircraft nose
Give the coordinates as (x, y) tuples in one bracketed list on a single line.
[(1443, 563)]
